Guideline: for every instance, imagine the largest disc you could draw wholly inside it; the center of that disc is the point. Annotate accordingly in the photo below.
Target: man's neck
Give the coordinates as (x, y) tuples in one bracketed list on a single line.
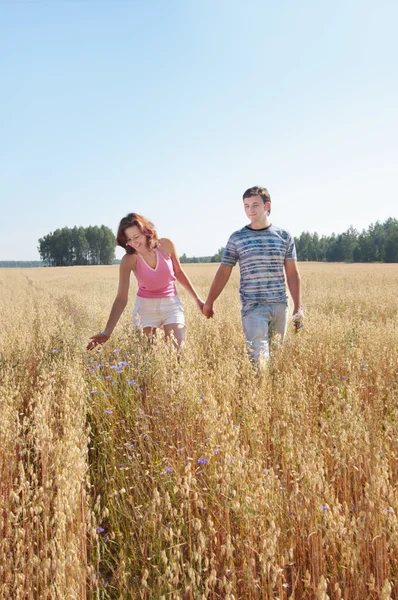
[(260, 224)]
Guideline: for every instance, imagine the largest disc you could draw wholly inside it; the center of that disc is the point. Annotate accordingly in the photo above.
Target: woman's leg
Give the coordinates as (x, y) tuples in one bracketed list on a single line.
[(150, 332), (178, 331)]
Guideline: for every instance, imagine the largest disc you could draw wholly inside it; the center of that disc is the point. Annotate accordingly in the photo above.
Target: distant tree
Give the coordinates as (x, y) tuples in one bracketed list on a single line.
[(391, 243), (78, 246), (216, 258)]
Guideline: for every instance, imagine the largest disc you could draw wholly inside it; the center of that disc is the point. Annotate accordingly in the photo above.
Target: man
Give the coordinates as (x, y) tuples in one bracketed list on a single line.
[(265, 253)]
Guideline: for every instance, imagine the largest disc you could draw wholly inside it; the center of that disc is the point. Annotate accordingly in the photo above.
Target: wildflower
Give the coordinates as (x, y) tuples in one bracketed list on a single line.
[(108, 376), (132, 382), (55, 351), (168, 470), (108, 411), (121, 464), (390, 511), (116, 351), (216, 451), (343, 377), (100, 530), (325, 507), (202, 461), (202, 397), (94, 391)]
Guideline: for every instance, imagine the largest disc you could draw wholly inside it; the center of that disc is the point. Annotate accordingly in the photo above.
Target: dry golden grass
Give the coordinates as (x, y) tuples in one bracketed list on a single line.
[(127, 474)]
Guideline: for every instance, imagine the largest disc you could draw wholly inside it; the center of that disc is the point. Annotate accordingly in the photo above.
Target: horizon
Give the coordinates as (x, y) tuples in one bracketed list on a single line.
[(188, 256)]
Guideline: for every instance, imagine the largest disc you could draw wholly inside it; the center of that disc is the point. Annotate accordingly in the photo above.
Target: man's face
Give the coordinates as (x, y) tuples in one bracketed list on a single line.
[(256, 209)]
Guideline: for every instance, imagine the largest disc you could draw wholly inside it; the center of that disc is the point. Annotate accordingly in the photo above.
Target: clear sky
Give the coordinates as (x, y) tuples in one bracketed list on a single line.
[(172, 108)]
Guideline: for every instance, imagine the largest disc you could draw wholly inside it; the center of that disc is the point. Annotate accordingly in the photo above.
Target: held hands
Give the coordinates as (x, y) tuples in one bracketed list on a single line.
[(207, 310), (97, 340), (201, 305)]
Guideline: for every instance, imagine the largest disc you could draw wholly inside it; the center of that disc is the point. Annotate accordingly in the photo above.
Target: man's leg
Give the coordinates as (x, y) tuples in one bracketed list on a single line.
[(255, 325), (278, 322)]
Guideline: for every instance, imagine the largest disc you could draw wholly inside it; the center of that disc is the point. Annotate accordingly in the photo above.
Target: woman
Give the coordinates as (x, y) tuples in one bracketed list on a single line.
[(156, 266)]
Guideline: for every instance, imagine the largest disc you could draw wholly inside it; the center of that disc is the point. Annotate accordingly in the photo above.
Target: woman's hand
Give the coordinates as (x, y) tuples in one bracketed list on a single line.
[(97, 340), (200, 304)]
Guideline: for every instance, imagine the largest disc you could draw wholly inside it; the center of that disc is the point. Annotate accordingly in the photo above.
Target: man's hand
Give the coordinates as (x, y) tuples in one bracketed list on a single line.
[(208, 310), (97, 340), (298, 319)]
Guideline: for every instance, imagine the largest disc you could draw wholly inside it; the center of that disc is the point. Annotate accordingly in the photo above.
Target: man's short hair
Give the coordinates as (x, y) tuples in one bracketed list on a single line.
[(258, 191)]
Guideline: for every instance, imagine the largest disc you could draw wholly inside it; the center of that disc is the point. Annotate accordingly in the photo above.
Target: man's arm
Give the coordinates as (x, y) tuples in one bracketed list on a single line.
[(219, 282), (293, 283)]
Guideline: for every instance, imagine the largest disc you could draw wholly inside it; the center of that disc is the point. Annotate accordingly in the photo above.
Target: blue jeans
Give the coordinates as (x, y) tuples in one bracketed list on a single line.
[(260, 324)]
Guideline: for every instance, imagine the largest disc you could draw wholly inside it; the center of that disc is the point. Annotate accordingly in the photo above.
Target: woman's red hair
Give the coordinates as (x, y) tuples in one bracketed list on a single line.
[(145, 226)]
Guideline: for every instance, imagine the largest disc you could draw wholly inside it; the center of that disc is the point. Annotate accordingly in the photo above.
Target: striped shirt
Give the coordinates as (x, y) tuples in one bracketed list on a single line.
[(261, 254)]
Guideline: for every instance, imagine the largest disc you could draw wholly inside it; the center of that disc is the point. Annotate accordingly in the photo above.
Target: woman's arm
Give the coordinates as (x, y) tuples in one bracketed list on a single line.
[(119, 304), (182, 278)]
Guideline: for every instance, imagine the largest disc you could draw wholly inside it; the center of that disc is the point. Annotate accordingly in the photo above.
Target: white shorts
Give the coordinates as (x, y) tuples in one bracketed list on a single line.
[(156, 312)]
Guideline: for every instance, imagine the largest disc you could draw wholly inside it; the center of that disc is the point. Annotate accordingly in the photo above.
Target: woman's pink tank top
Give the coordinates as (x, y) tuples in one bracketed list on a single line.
[(157, 282)]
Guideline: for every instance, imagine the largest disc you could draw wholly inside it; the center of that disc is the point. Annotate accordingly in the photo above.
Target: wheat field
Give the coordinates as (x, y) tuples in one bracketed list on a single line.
[(129, 474)]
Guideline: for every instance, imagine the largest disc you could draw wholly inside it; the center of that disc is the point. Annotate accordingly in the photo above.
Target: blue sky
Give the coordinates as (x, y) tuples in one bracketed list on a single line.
[(172, 108)]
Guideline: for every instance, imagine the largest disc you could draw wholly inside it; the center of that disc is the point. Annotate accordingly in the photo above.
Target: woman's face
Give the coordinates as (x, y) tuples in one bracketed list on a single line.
[(136, 239)]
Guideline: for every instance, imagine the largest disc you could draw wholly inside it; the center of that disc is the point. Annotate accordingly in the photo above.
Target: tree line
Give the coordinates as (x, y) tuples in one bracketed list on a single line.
[(78, 246), (378, 244), (95, 245)]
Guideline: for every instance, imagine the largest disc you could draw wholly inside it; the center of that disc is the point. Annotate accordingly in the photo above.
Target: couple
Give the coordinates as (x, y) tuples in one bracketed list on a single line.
[(264, 252)]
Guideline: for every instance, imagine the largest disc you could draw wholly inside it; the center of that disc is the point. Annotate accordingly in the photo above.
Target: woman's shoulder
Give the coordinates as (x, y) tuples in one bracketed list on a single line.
[(166, 245), (129, 261)]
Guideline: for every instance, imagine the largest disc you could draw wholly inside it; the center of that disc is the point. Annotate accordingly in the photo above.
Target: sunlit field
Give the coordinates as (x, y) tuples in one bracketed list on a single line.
[(127, 474)]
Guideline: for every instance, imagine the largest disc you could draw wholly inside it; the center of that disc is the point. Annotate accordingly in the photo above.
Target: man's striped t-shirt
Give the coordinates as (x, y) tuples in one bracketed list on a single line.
[(261, 254)]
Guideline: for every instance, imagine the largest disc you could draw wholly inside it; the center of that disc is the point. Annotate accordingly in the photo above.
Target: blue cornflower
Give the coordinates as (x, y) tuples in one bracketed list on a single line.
[(168, 470), (202, 461), (108, 411)]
